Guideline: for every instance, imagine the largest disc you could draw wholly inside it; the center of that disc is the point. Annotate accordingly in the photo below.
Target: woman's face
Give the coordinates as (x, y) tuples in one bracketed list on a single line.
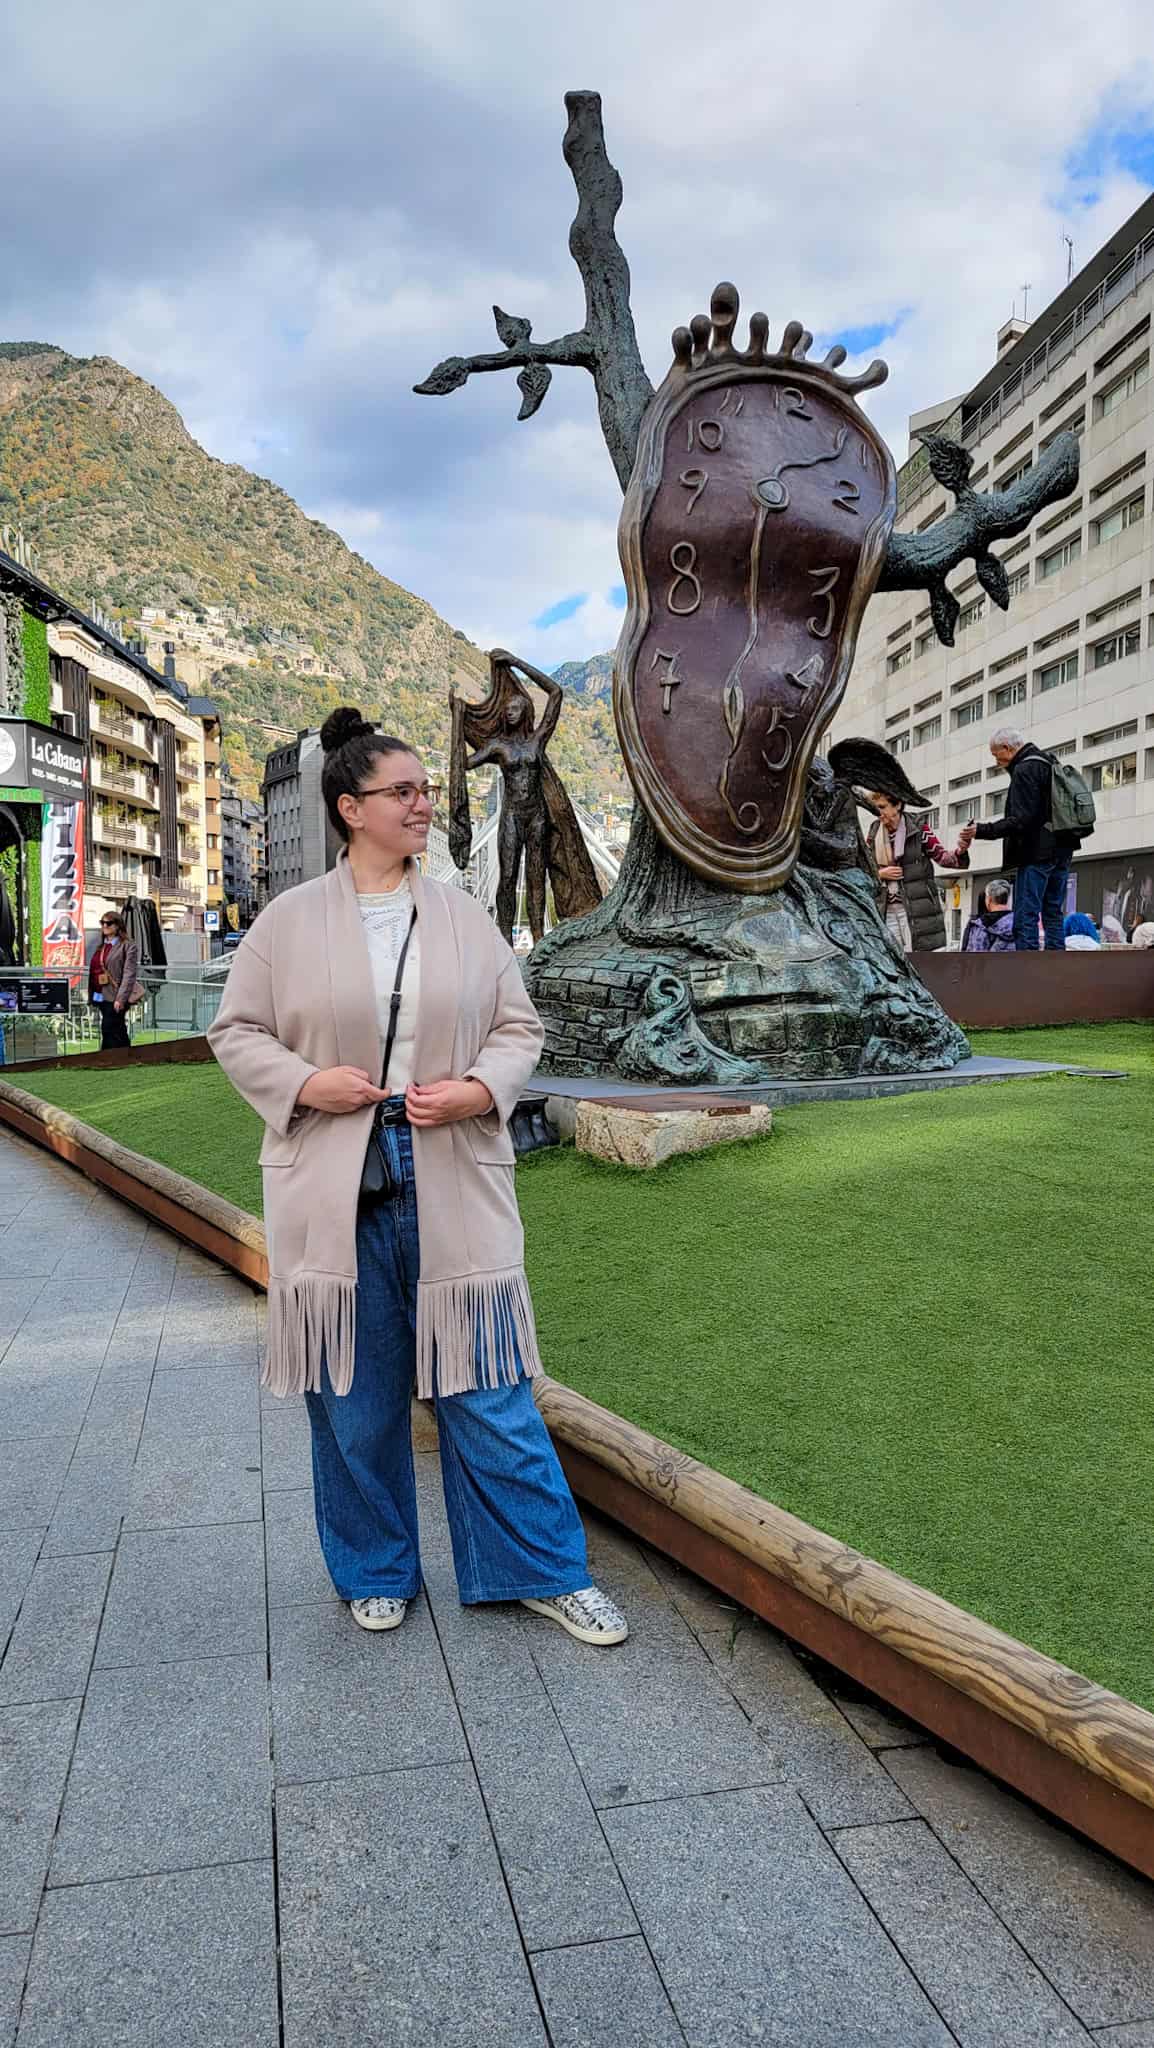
[(889, 813), (392, 814), (515, 712), (109, 932)]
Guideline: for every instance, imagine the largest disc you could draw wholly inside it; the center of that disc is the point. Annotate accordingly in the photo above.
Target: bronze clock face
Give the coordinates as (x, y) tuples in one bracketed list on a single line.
[(752, 536)]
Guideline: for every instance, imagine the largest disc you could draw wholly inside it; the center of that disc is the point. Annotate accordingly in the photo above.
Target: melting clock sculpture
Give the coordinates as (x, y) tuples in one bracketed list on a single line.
[(743, 938)]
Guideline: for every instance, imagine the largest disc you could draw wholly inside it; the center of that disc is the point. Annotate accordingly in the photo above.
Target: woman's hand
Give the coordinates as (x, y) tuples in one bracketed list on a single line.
[(446, 1102), (338, 1091), (890, 874)]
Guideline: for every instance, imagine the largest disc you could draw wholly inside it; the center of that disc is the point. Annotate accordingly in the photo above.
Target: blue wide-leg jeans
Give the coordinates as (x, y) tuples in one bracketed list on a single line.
[(515, 1531)]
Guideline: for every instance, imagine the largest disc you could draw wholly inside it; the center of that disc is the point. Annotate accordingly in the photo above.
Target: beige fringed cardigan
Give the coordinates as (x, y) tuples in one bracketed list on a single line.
[(300, 996)]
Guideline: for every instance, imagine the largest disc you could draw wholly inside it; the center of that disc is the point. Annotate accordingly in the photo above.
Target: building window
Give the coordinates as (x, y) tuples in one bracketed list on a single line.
[(1120, 476), (1065, 752), (1056, 673), (968, 807), (898, 718), (1069, 632), (971, 613), (1019, 581), (901, 659), (1014, 476), (1123, 387), (899, 744), (931, 730), (214, 878), (925, 641), (1008, 694), (1116, 605), (1117, 520), (928, 701), (967, 714), (1069, 511), (1115, 774), (1060, 557), (1076, 424), (965, 781), (1117, 647), (995, 803), (1120, 347), (1110, 733)]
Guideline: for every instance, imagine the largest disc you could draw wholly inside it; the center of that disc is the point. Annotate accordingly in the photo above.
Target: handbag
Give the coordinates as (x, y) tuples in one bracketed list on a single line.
[(376, 1180)]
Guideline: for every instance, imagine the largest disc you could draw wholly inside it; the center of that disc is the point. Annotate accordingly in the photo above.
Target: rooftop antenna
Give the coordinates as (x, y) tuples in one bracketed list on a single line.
[(1069, 257), (1026, 290)]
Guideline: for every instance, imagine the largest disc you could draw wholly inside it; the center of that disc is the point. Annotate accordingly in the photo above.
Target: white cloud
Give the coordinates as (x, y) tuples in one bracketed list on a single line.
[(284, 218)]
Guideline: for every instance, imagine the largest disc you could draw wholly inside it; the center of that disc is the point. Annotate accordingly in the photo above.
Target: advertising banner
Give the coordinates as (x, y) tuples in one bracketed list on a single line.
[(62, 869)]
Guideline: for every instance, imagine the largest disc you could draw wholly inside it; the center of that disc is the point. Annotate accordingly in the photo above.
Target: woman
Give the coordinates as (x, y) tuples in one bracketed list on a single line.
[(904, 852), (113, 980), (1081, 933), (422, 1273)]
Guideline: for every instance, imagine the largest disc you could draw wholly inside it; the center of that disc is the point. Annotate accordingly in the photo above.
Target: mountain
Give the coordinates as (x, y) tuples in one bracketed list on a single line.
[(126, 510), (590, 680)]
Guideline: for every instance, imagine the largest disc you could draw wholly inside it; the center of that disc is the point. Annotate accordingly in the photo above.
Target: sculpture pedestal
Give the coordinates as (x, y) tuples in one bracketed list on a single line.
[(803, 984)]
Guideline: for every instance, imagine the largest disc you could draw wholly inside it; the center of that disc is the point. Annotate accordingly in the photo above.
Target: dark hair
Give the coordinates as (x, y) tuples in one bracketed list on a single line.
[(352, 747), (114, 917)]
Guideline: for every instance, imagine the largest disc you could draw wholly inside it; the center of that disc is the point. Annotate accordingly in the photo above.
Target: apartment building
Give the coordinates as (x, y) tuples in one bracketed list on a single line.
[(242, 844), (300, 843), (1071, 664)]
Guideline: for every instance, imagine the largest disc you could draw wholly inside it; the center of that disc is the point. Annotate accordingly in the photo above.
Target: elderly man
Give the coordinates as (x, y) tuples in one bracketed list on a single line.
[(1041, 856)]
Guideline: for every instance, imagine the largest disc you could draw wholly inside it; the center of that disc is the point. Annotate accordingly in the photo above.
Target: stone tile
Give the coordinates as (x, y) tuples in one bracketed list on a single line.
[(757, 1931), (1085, 1921), (701, 1605), (177, 1353), (184, 1593), (179, 1481), (18, 1553), (31, 1475), (171, 1771), (1139, 2035), (650, 1719), (134, 1343), (399, 1867), (561, 1877), (91, 1504), (606, 1994), (35, 1747), (203, 1401), (810, 1744), (117, 1409), (54, 1406), (879, 1726), (286, 1450), (297, 1571), (53, 1343), (215, 1288), (14, 1952), (187, 1959), (346, 1702), (52, 1644), (985, 1987)]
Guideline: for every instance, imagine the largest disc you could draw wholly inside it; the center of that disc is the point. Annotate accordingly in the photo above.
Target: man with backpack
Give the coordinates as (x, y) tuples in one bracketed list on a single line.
[(1049, 811)]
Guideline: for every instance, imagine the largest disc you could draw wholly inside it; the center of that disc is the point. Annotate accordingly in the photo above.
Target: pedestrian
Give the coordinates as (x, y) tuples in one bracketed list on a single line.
[(1112, 932), (991, 929), (1081, 933), (904, 852), (1040, 856), (1142, 936), (114, 981), (394, 1240)]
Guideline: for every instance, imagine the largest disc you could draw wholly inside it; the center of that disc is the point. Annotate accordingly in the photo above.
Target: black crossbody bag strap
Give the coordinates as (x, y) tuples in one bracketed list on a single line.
[(395, 1003), (375, 1180)]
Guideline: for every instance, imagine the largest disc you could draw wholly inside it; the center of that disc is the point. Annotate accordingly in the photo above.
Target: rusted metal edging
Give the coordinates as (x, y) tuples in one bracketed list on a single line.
[(1083, 1753)]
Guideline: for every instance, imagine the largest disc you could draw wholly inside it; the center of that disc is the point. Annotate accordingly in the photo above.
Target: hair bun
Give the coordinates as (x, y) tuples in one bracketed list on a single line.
[(343, 725)]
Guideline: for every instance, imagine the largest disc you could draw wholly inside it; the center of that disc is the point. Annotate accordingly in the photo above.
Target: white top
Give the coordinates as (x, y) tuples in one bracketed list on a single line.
[(386, 921)]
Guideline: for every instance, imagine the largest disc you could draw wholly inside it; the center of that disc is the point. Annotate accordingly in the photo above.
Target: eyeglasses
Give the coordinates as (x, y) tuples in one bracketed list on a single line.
[(406, 793)]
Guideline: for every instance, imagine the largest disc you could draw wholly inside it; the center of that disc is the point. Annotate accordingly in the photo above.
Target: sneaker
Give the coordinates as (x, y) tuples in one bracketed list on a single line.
[(589, 1615), (379, 1611)]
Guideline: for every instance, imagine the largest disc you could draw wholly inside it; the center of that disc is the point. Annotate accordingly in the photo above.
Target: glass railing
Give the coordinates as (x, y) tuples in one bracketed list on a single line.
[(45, 1013)]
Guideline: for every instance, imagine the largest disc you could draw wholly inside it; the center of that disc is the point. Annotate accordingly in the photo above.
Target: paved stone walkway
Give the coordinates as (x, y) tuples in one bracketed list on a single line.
[(229, 1819)]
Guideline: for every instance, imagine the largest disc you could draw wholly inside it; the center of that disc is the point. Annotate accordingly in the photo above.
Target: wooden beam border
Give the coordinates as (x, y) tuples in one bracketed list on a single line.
[(1082, 1753)]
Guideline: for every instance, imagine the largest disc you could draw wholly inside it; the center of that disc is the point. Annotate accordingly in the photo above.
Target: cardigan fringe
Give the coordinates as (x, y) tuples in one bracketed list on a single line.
[(477, 1331), (312, 1320)]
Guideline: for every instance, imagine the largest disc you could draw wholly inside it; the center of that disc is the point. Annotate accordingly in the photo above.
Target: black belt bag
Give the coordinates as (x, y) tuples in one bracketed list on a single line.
[(377, 1183)]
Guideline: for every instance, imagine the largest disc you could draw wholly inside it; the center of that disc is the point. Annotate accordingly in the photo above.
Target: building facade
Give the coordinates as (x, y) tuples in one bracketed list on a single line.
[(299, 842), (242, 855), (1071, 664)]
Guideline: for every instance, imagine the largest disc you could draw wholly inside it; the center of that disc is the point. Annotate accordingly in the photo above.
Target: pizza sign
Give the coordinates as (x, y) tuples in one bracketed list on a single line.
[(752, 536)]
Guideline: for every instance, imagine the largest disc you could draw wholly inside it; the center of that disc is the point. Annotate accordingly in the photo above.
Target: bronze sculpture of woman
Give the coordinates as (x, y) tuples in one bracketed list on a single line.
[(537, 819)]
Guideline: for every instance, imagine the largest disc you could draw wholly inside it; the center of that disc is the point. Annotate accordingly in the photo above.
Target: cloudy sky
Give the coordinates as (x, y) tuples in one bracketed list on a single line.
[(284, 214)]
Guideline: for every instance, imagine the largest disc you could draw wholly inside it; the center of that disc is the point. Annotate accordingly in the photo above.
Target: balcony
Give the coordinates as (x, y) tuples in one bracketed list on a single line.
[(123, 782), (187, 766), (118, 878), (115, 831), (179, 892), (190, 810), (190, 849), (110, 722)]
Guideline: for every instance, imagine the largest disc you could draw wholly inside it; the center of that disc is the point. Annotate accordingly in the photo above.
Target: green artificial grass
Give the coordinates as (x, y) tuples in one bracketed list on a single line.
[(919, 1323)]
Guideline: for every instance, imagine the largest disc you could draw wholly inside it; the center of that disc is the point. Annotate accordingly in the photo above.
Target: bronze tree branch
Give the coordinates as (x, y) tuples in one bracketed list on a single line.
[(922, 561), (607, 344)]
